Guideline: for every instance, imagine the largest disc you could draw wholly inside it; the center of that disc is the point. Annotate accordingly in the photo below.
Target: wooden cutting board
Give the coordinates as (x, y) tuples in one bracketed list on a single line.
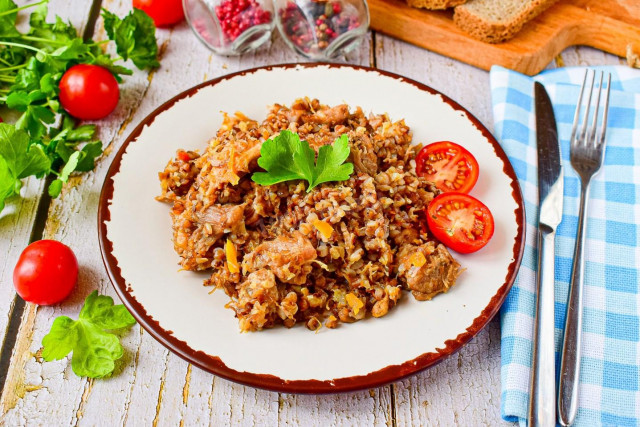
[(609, 25)]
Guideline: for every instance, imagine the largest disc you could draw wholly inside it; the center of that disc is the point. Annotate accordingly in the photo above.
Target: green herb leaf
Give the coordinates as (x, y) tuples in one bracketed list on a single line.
[(59, 32), (70, 166), (55, 188), (286, 158), (330, 165), (81, 133), (94, 350), (8, 20), (135, 37), (90, 153), (278, 157), (21, 160), (7, 182)]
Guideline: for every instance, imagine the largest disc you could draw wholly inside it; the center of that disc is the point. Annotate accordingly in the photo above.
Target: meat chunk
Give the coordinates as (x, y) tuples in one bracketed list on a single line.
[(231, 153), (364, 155), (427, 269), (222, 218), (328, 115), (257, 304), (289, 257)]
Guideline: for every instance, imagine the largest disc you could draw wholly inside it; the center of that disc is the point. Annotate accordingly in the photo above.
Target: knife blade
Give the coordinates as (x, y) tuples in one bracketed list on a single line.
[(542, 408)]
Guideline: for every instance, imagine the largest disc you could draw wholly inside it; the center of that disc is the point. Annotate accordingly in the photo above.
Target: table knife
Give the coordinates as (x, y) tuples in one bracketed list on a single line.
[(542, 400)]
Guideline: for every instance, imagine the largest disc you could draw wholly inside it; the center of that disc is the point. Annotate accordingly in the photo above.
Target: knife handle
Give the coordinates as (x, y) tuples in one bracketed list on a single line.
[(572, 343), (542, 396)]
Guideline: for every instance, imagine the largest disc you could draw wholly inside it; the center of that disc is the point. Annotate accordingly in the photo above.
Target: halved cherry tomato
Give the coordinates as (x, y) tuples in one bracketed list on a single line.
[(448, 165), (461, 222)]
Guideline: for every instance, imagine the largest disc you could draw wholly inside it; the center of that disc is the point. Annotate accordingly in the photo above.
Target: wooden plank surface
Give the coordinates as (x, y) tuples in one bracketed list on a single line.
[(17, 219), (610, 25), (152, 386)]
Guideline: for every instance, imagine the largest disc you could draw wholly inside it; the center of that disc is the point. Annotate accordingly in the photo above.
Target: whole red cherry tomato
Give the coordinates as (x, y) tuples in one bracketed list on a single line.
[(46, 272), (163, 12), (449, 166), (88, 92), (461, 222)]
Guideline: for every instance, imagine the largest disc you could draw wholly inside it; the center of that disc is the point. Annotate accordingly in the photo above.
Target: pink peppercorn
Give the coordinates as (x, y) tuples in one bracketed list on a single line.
[(237, 16)]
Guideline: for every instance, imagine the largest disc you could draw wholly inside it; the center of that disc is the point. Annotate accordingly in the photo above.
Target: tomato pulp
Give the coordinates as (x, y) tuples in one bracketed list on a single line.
[(448, 165), (461, 222)]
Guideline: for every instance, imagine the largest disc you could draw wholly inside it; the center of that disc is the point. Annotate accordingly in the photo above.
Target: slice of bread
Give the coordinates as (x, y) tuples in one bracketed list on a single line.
[(495, 21), (434, 4)]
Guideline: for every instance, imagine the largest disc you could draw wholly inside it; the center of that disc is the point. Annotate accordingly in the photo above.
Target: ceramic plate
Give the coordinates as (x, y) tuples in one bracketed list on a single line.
[(174, 307)]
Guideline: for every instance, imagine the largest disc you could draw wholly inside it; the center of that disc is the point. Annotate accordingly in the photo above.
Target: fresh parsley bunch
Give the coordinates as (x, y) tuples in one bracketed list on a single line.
[(45, 139)]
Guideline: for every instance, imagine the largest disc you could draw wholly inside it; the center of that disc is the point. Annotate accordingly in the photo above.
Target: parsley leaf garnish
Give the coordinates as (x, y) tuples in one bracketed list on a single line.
[(286, 158), (94, 350)]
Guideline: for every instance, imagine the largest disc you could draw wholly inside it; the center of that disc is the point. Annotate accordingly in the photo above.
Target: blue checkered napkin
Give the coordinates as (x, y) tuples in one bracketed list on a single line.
[(609, 380)]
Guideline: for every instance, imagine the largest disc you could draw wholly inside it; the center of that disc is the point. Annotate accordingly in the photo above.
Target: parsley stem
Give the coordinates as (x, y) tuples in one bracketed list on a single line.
[(7, 79), (15, 67), (18, 9), (43, 40), (5, 62), (22, 45)]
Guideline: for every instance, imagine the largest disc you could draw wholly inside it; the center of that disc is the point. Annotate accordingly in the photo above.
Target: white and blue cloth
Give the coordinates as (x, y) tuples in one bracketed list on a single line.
[(610, 376)]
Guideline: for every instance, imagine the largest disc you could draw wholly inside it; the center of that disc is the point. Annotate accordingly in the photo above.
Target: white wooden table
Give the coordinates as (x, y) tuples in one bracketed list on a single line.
[(152, 386)]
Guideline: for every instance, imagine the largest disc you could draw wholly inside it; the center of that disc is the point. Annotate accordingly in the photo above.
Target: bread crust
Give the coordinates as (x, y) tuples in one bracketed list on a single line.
[(435, 4), (497, 32)]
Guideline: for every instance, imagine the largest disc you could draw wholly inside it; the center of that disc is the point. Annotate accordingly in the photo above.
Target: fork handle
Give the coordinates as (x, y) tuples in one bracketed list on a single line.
[(542, 407), (572, 344)]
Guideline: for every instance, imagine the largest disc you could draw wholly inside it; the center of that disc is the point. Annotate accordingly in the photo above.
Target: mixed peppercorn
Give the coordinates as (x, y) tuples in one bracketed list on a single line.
[(312, 25), (237, 16)]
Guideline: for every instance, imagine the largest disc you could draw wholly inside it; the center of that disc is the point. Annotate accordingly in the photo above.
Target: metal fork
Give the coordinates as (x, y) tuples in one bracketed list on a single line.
[(587, 155)]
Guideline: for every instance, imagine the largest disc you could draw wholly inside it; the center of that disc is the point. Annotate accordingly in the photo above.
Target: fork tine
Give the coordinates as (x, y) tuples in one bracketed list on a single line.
[(585, 119), (576, 117), (591, 141), (603, 128)]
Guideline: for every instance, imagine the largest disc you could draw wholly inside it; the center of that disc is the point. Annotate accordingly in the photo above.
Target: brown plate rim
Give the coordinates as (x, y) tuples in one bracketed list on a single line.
[(214, 364)]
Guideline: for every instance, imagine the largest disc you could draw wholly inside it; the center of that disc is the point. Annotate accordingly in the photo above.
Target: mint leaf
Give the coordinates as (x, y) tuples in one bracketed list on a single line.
[(135, 37), (286, 158), (94, 350)]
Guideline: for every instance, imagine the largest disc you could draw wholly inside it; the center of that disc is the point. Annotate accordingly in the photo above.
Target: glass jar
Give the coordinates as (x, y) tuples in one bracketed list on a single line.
[(322, 29), (230, 27)]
